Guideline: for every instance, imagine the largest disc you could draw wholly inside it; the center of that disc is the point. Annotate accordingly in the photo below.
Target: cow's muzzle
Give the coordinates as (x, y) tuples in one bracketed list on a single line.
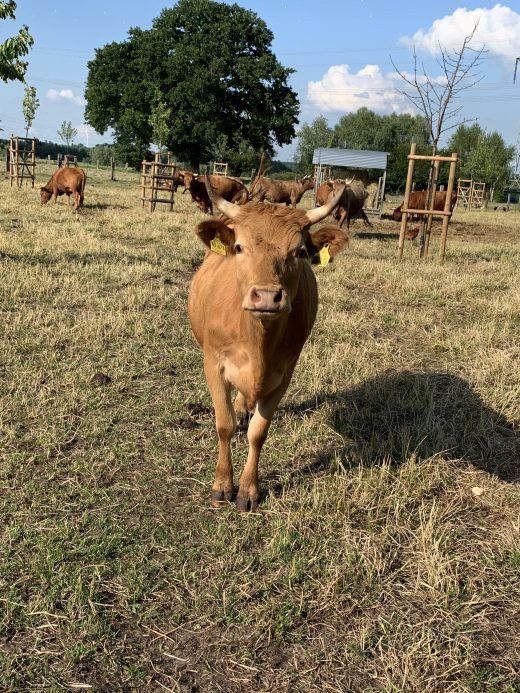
[(267, 301)]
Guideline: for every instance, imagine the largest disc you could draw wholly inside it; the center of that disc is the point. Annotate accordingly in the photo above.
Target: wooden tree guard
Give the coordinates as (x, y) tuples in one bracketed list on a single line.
[(446, 213), (70, 160), (470, 193), (157, 177), (220, 169), (21, 160)]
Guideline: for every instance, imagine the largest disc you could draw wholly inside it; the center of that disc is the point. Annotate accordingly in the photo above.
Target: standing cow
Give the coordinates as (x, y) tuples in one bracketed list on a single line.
[(351, 202), (65, 181), (231, 189), (418, 199), (288, 192), (252, 305), (323, 193)]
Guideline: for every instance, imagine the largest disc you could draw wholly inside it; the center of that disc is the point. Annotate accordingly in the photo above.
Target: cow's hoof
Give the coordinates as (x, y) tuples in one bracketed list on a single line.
[(246, 505), (219, 497)]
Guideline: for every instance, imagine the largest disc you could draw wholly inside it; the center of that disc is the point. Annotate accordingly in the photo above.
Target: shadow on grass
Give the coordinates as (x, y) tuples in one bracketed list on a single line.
[(376, 235), (399, 414)]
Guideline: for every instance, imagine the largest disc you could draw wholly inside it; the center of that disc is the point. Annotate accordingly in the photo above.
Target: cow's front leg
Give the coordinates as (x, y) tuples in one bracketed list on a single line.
[(248, 496), (220, 390)]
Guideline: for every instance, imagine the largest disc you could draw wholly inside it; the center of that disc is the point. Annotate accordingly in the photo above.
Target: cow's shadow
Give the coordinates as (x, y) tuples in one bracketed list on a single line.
[(399, 414)]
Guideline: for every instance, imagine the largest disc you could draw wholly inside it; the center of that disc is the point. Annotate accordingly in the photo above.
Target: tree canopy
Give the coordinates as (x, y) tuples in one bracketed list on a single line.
[(362, 129), (14, 48), (483, 156), (214, 68)]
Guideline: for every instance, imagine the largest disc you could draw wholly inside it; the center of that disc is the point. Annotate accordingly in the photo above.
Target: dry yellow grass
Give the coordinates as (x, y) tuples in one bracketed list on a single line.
[(372, 565)]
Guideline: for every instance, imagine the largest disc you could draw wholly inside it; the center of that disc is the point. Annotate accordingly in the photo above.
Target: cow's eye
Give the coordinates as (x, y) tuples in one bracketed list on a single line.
[(302, 252), (238, 248)]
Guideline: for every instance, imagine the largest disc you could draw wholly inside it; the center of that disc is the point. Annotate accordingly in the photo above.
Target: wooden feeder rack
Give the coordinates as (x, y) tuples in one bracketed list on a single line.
[(446, 213), (157, 178), (220, 169), (470, 193), (21, 160)]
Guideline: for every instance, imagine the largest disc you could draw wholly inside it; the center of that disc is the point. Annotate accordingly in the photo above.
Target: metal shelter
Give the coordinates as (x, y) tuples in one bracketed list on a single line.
[(326, 158)]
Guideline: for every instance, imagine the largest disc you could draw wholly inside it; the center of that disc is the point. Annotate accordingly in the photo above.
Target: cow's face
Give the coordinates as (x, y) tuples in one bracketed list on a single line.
[(45, 195), (269, 247)]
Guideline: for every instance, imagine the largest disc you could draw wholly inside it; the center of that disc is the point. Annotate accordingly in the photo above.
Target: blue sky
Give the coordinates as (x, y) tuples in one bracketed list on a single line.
[(341, 51)]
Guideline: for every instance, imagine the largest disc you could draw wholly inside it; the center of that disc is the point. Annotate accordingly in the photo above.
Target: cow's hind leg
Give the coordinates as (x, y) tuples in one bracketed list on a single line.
[(242, 412), (220, 390), (248, 496)]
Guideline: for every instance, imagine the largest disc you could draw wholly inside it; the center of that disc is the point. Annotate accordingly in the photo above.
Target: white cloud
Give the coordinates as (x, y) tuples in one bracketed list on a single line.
[(65, 95), (498, 30), (341, 90)]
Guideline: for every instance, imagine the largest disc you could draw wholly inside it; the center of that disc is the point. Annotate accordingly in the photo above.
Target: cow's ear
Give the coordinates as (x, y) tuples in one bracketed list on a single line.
[(331, 236), (214, 230)]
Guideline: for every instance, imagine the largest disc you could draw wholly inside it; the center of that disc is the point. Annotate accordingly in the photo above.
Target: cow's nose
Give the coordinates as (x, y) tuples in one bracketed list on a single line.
[(267, 299)]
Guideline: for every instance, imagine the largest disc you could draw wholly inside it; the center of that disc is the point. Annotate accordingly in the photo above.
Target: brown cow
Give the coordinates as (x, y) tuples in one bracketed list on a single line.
[(68, 181), (323, 192), (252, 305), (231, 189), (288, 192), (183, 178), (351, 202), (417, 200)]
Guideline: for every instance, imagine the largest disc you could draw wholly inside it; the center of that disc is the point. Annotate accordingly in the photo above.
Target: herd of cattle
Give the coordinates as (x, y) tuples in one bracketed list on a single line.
[(71, 181), (253, 301)]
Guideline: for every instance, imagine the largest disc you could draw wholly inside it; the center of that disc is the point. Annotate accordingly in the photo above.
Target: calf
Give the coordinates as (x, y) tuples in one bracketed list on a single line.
[(68, 181)]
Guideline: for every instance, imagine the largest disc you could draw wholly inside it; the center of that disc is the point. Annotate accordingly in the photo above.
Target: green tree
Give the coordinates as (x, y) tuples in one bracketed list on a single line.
[(365, 129), (29, 106), (214, 67), (311, 137), (67, 133), (484, 157), (160, 119), (102, 154), (11, 50)]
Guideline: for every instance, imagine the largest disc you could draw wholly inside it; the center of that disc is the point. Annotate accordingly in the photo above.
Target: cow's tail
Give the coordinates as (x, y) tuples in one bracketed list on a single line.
[(82, 192)]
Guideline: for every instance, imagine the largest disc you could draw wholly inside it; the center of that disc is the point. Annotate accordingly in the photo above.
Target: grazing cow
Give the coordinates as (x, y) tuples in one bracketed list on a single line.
[(417, 200), (231, 189), (288, 192), (351, 202), (68, 181), (252, 305)]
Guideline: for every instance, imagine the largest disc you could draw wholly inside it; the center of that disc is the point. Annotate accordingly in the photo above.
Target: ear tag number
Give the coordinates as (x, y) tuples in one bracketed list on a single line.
[(217, 246), (324, 255)]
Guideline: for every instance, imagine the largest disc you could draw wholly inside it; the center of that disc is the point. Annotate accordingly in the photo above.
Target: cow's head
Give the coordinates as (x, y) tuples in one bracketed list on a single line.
[(269, 246), (45, 194), (307, 183), (397, 214)]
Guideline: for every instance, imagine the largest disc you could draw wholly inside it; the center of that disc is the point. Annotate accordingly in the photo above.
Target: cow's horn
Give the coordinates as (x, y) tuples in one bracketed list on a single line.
[(319, 213), (228, 208), (348, 182)]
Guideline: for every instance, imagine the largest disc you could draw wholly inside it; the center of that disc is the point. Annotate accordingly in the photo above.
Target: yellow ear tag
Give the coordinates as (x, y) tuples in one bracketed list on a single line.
[(324, 255), (217, 246)]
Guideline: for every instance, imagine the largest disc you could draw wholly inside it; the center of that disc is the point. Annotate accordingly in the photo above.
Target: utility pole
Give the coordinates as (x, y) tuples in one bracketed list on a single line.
[(516, 68)]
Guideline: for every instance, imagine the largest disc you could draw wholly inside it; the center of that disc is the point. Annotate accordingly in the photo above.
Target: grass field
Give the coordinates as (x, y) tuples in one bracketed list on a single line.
[(373, 564)]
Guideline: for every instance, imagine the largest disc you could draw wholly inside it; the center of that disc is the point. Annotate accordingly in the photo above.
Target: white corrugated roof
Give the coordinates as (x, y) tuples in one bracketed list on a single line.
[(350, 158)]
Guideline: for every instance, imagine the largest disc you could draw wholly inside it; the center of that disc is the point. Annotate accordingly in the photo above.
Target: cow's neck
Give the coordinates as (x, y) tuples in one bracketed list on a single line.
[(265, 342)]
